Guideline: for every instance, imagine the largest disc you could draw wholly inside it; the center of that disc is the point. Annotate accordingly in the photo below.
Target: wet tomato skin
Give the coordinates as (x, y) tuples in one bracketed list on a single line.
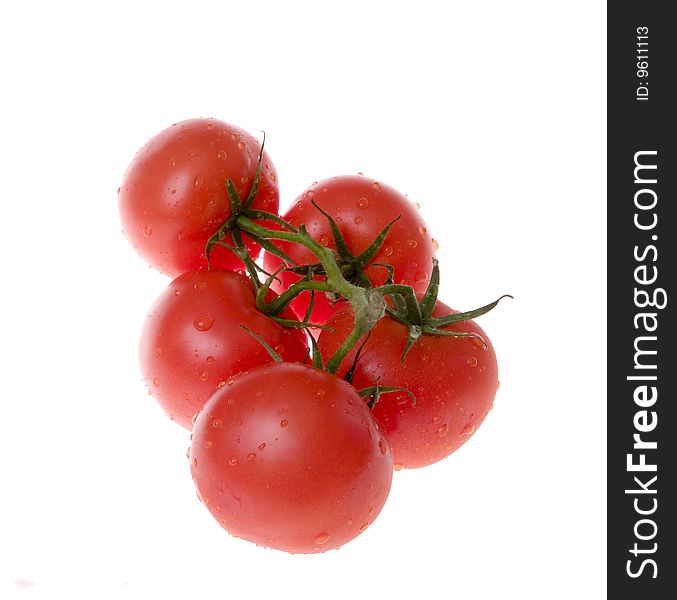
[(173, 195), (361, 207), (454, 380), (191, 341), (290, 457)]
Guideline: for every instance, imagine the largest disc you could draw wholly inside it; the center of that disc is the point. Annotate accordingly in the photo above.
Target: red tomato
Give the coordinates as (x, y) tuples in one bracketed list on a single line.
[(173, 196), (454, 381), (361, 207), (192, 341), (290, 457)]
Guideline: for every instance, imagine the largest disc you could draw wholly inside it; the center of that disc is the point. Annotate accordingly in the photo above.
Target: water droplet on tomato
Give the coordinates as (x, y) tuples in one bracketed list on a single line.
[(469, 429), (209, 126), (233, 461), (284, 423), (209, 444), (363, 203), (273, 177), (376, 185), (388, 250), (443, 430), (358, 220), (147, 231), (324, 188), (216, 423), (241, 145), (420, 276), (437, 419), (383, 447), (320, 393), (156, 382), (157, 350), (262, 446), (204, 375), (322, 538), (363, 527), (412, 243), (417, 205), (222, 155), (203, 321), (398, 466), (472, 361), (279, 348), (436, 246), (172, 162), (422, 230), (210, 360), (251, 456)]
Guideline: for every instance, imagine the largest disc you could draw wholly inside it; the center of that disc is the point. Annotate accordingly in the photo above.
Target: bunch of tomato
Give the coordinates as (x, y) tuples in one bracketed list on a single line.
[(306, 352)]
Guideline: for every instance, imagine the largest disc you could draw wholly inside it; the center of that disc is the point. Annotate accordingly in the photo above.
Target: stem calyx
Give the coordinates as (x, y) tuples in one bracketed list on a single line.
[(417, 315)]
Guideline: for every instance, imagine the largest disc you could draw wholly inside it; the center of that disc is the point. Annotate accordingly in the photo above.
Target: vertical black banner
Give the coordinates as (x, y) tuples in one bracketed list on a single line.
[(642, 336)]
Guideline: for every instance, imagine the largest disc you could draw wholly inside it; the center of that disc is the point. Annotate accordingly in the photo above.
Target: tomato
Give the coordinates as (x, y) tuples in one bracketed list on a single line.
[(454, 381), (361, 207), (290, 457), (173, 196), (192, 342)]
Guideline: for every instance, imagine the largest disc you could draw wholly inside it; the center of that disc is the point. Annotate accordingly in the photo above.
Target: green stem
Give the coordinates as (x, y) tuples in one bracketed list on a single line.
[(283, 300), (325, 255), (335, 361), (368, 304)]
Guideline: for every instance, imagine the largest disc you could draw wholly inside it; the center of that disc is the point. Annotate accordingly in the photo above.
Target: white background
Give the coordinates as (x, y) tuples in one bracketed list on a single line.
[(490, 115)]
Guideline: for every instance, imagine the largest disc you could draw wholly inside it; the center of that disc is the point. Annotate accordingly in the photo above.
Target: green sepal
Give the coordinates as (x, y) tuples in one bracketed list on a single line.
[(351, 372), (341, 246), (376, 391), (274, 355), (428, 330), (415, 332), (429, 299), (375, 246), (464, 316), (257, 178)]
